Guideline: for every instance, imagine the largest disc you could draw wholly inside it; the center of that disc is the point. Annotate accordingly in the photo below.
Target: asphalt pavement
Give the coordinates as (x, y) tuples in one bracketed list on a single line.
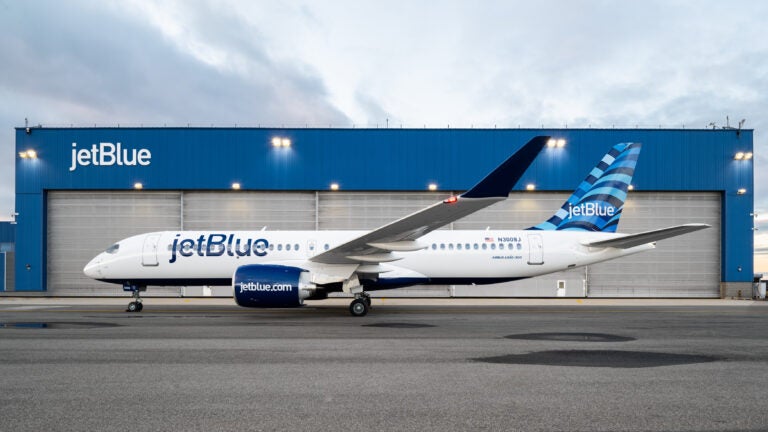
[(410, 365)]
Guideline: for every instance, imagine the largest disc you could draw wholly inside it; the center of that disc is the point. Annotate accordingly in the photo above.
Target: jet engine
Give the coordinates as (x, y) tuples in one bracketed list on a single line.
[(264, 285)]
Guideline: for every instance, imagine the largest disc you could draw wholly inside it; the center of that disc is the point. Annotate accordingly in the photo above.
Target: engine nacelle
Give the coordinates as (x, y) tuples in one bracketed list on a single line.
[(265, 285)]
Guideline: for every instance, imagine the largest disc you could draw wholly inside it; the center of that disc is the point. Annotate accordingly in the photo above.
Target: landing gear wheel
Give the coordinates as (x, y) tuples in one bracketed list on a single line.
[(136, 305), (367, 301), (359, 307)]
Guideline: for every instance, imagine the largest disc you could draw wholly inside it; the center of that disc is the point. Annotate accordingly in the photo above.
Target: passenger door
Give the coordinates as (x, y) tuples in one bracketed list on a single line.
[(149, 250), (535, 249)]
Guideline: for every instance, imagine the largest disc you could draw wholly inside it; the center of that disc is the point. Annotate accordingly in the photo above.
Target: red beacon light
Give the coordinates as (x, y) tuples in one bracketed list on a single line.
[(451, 200)]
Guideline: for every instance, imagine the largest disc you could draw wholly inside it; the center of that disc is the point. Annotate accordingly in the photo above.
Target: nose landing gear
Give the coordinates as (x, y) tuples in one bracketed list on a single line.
[(136, 305)]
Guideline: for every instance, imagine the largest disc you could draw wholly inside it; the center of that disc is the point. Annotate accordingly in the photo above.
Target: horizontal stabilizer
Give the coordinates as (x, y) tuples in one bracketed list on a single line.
[(632, 240)]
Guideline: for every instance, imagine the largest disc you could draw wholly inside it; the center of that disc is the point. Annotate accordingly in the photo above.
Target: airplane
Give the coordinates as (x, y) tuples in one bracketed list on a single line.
[(285, 268)]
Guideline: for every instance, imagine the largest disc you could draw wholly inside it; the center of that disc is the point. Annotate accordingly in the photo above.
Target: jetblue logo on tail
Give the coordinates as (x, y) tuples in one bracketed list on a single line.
[(590, 209), (597, 202)]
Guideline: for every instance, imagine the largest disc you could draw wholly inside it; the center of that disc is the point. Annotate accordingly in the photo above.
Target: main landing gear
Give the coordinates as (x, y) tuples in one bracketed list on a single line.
[(360, 305)]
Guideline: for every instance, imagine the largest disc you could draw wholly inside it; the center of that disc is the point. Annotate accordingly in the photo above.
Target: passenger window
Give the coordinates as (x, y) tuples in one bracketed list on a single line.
[(296, 246), (327, 246), (485, 246), (501, 246), (434, 246), (475, 246), (450, 246), (466, 246), (280, 247), (519, 246), (458, 246), (271, 247), (442, 246), (288, 247)]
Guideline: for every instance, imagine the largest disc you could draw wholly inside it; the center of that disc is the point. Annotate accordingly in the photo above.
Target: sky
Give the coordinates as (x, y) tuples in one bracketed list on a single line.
[(578, 63)]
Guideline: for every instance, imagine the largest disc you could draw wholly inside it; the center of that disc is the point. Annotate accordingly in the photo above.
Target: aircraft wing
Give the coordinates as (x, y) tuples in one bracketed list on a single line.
[(401, 235), (632, 240)]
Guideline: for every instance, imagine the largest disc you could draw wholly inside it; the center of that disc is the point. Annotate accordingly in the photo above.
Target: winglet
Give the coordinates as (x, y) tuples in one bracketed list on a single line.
[(498, 183)]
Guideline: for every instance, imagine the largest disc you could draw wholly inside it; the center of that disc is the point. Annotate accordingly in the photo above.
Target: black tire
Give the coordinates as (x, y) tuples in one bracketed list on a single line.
[(368, 301), (139, 306), (358, 308), (132, 307)]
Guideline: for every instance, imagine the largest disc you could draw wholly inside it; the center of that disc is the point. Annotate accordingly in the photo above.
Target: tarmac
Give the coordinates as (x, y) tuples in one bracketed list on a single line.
[(411, 364)]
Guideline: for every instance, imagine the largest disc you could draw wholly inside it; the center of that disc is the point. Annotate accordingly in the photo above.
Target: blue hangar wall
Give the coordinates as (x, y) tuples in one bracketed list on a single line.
[(366, 160)]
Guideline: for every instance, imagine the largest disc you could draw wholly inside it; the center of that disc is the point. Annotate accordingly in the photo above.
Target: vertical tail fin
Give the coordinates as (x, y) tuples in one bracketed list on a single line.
[(597, 203)]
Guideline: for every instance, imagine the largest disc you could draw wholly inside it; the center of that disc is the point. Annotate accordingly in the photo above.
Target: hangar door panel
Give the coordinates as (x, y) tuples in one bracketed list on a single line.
[(83, 224), (369, 210), (247, 211), (684, 266)]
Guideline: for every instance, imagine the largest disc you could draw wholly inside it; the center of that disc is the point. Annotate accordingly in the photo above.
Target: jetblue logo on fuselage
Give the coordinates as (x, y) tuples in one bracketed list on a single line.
[(108, 154), (212, 245), (590, 209)]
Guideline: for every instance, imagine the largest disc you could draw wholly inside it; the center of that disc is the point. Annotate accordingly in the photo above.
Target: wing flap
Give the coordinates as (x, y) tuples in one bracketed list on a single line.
[(400, 246), (632, 240)]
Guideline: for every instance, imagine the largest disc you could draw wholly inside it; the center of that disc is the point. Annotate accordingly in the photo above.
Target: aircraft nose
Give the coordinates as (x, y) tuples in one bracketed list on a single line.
[(93, 268)]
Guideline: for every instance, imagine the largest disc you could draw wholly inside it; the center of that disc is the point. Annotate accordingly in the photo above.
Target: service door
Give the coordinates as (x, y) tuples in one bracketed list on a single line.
[(149, 251), (535, 249)]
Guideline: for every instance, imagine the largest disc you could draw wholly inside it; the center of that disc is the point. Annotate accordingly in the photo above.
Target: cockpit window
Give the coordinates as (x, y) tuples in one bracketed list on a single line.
[(113, 249)]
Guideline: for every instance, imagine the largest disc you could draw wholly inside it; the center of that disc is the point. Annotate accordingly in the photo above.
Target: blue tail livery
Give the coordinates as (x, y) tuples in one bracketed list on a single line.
[(597, 203)]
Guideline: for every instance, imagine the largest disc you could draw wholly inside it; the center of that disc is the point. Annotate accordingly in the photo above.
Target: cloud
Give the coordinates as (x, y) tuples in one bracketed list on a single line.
[(142, 63), (551, 63)]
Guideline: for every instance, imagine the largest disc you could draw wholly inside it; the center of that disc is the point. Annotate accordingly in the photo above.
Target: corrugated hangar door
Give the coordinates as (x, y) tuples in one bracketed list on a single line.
[(249, 211), (684, 266), (369, 210), (82, 224)]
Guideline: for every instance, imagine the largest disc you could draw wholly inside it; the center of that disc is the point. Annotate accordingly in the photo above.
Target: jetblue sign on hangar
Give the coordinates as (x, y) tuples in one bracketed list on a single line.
[(109, 154)]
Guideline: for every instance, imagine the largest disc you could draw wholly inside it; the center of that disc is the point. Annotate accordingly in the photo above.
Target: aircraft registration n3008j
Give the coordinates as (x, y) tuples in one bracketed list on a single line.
[(285, 268)]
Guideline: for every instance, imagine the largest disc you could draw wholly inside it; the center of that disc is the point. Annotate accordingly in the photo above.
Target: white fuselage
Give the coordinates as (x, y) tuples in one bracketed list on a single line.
[(452, 257)]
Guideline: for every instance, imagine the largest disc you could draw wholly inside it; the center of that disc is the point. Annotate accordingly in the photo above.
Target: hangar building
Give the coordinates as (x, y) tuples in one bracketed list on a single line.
[(78, 190)]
